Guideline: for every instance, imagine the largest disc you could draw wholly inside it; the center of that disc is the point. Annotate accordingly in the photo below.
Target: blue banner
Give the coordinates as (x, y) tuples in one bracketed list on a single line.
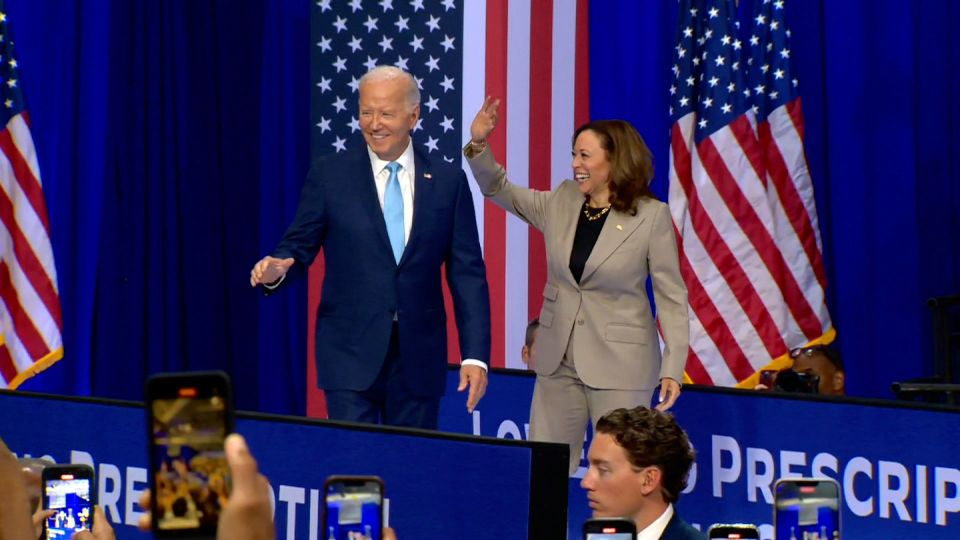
[(437, 485), (896, 464)]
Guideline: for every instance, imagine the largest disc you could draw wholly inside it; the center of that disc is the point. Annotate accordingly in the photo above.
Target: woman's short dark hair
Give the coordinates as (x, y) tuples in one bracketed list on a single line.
[(652, 439), (631, 162)]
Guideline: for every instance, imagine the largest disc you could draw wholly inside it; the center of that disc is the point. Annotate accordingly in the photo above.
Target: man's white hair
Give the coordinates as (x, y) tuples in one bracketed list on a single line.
[(386, 73)]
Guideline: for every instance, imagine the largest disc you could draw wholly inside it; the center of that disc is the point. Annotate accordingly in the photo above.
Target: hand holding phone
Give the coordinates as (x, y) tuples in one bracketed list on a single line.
[(353, 508), (68, 490), (189, 415), (609, 529)]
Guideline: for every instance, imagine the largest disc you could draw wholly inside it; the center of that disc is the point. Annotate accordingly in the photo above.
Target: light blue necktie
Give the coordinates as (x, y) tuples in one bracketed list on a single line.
[(393, 210)]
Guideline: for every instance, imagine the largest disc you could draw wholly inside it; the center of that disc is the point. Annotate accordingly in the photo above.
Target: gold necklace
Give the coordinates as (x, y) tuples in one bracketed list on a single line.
[(598, 215)]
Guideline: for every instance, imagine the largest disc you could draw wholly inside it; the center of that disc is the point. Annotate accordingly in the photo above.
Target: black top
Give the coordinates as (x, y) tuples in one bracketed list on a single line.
[(588, 230)]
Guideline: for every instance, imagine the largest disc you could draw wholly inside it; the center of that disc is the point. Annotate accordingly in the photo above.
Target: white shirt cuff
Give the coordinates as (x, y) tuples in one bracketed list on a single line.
[(275, 284), (473, 362)]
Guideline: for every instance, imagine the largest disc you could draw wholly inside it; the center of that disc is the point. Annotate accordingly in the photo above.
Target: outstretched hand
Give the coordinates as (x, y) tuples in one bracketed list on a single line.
[(485, 120), (269, 270)]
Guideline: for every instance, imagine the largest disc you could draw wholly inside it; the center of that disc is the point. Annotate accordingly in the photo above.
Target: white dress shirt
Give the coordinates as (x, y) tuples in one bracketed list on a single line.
[(655, 530), (405, 176)]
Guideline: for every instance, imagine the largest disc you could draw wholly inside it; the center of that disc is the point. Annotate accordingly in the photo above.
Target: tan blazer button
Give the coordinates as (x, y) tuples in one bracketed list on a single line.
[(580, 322)]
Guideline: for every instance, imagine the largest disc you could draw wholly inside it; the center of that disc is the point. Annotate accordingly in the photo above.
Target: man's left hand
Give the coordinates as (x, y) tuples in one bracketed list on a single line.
[(476, 378)]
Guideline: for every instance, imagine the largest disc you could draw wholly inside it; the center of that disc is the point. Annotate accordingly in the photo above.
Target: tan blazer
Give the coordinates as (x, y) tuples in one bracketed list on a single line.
[(607, 314)]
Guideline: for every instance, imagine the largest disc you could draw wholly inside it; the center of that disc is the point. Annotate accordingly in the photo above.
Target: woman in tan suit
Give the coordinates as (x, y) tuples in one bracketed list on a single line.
[(597, 347)]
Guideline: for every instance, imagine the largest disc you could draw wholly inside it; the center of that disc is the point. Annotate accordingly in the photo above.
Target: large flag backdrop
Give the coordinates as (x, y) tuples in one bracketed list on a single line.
[(741, 195), (30, 320), (221, 93), (526, 53)]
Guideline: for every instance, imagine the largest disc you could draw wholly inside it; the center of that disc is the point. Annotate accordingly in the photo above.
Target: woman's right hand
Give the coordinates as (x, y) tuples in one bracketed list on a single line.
[(485, 120)]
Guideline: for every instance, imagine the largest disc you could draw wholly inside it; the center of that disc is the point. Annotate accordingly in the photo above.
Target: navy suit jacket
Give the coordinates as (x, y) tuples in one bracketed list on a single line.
[(364, 287), (677, 529)]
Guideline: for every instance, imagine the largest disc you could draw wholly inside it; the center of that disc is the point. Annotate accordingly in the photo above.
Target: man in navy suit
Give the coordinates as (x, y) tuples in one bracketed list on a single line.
[(639, 462), (387, 218)]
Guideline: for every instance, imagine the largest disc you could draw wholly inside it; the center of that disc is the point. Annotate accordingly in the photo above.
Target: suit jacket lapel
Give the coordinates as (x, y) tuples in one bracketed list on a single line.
[(571, 208), (422, 192), (617, 228), (362, 170)]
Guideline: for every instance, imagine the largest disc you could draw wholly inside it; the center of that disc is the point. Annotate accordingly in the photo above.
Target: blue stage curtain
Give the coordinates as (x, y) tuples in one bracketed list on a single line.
[(173, 140), (879, 81)]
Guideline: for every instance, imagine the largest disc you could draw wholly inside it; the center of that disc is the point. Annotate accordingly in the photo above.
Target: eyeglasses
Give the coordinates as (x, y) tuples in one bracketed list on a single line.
[(806, 351)]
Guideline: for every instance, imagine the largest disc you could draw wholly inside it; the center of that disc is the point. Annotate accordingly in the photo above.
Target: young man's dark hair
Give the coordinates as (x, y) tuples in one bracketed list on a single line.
[(639, 462), (652, 438)]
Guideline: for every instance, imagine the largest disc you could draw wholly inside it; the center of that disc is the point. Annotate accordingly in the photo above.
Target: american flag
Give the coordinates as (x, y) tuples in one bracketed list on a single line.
[(30, 323), (741, 195), (532, 55)]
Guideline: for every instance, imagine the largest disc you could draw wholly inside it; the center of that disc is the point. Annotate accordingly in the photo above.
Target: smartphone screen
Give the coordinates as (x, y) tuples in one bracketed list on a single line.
[(733, 532), (190, 415), (609, 529), (807, 509), (353, 508), (68, 490)]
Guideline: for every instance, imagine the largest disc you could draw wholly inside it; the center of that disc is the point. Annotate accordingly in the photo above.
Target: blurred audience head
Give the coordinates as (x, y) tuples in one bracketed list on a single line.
[(529, 343), (825, 363)]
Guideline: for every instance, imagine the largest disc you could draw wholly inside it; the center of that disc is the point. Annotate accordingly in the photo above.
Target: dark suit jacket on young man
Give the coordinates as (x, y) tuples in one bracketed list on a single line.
[(365, 289), (677, 529)]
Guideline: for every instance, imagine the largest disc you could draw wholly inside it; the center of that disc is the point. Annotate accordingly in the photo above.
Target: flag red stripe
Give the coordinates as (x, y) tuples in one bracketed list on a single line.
[(23, 325), (790, 199), (713, 324), (724, 260), (316, 401), (540, 135), (758, 235), (795, 110), (749, 145), (28, 182), (494, 219), (696, 370), (29, 262), (8, 370)]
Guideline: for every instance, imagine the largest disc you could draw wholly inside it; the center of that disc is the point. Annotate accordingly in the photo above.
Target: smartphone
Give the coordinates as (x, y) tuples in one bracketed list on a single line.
[(806, 509), (737, 531), (609, 529), (188, 417), (353, 508), (69, 490)]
